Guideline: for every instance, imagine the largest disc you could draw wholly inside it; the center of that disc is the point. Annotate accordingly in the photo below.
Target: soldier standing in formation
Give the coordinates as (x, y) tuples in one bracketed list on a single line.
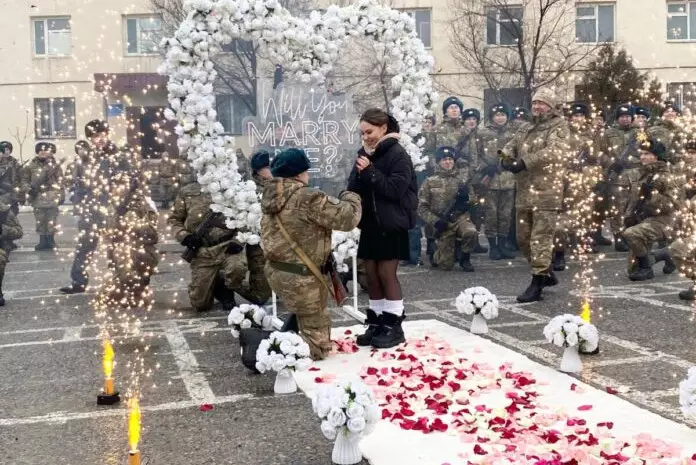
[(168, 184), (298, 218), (496, 187), (667, 131), (10, 230), (443, 203), (9, 177), (537, 156), (42, 180)]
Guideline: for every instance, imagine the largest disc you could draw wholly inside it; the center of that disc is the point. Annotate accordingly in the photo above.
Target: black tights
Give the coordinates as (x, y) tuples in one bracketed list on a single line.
[(382, 282)]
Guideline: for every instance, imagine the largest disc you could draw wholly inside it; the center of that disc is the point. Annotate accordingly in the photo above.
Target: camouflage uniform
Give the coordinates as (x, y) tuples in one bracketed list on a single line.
[(185, 173), (447, 134), (656, 211), (670, 134), (309, 217), (10, 230), (9, 180), (498, 186), (189, 210), (42, 179), (168, 184), (543, 146), (434, 198)]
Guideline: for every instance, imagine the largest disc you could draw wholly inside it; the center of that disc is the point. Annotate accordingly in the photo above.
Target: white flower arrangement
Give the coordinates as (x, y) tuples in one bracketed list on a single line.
[(345, 246), (478, 300), (346, 408), (248, 316), (687, 394), (570, 331), (283, 351), (307, 48)]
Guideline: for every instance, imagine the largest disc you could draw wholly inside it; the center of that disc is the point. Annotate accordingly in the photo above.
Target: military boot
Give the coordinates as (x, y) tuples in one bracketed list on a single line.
[(249, 342), (559, 263), (599, 239), (507, 251), (620, 243), (688, 294), (392, 334), (375, 326), (494, 248), (74, 288), (290, 324), (223, 294), (644, 270), (478, 248), (430, 252), (533, 291), (50, 242), (550, 280), (43, 243), (662, 255), (465, 262)]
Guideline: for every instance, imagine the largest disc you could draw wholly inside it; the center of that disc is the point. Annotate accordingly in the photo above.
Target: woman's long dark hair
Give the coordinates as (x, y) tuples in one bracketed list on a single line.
[(377, 117)]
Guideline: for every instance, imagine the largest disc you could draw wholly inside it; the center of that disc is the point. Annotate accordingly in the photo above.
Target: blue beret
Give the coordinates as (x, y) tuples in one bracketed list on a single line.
[(289, 163), (445, 152), (642, 111), (260, 160), (498, 108), (471, 113), (451, 101)]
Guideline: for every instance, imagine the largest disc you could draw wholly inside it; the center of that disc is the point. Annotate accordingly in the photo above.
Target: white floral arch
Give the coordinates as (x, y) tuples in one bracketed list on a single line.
[(307, 48)]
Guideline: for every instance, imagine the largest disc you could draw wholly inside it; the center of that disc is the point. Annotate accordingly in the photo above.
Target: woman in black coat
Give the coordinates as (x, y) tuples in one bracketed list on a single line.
[(384, 178)]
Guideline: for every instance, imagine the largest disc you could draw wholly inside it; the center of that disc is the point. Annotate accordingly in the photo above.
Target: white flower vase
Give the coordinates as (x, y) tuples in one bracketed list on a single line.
[(285, 382), (479, 325), (346, 450), (571, 363)]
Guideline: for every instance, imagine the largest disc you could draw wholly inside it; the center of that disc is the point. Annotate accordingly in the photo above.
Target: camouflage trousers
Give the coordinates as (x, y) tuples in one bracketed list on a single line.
[(461, 230), (168, 192), (535, 237), (641, 237), (256, 290), (4, 258), (132, 269), (205, 267), (46, 219), (498, 205), (620, 195), (307, 298), (684, 256)]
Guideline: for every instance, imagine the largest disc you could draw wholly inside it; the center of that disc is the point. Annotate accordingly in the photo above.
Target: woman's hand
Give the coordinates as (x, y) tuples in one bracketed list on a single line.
[(362, 162)]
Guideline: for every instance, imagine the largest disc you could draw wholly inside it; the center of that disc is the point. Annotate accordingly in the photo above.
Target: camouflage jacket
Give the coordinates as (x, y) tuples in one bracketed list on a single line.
[(260, 182), (10, 230), (469, 146), (620, 144), (663, 198), (185, 173), (42, 180), (9, 179), (138, 225), (494, 138), (191, 207), (670, 134), (447, 133), (583, 171), (543, 146), (309, 216), (168, 172), (438, 193)]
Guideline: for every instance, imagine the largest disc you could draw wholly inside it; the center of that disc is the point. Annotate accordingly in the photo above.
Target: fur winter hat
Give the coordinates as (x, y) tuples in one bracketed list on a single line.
[(642, 111), (96, 126), (673, 106), (45, 146), (452, 101), (471, 113), (260, 160), (579, 108), (5, 145), (498, 108), (445, 152), (289, 163), (624, 110)]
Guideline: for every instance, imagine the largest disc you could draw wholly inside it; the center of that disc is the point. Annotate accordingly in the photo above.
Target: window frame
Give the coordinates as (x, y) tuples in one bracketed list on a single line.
[(595, 17), (231, 97), (688, 4), (53, 135), (412, 13), (46, 43), (498, 25), (138, 18)]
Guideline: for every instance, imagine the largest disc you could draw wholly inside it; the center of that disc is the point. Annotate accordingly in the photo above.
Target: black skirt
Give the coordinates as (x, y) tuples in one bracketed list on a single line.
[(379, 245)]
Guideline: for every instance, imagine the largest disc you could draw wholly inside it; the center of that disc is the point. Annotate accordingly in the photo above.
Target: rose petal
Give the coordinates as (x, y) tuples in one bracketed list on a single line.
[(585, 408), (611, 390), (314, 369), (348, 332), (205, 407)]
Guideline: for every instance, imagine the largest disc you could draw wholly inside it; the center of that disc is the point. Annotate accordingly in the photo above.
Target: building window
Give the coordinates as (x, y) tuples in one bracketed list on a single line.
[(681, 20), (143, 35), (232, 110), (683, 94), (504, 25), (52, 36), (54, 117), (423, 24), (594, 23)]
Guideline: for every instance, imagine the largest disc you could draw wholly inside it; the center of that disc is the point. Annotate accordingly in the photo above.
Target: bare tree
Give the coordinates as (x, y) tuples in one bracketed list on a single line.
[(522, 45), (20, 135)]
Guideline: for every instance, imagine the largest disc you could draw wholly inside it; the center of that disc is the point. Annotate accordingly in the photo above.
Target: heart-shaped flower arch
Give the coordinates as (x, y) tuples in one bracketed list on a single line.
[(306, 47)]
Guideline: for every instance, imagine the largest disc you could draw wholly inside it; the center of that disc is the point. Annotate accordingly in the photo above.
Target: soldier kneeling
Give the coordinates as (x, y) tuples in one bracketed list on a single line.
[(218, 267), (10, 230), (649, 213), (443, 202)]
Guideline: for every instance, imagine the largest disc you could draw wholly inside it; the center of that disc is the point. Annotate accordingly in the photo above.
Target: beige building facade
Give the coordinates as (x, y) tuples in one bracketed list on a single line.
[(69, 61)]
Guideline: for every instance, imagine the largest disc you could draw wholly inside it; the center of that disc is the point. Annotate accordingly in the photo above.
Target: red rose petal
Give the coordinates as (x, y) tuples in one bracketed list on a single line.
[(584, 408), (573, 387), (611, 390), (318, 380), (314, 369), (348, 332), (478, 450), (205, 407), (371, 371)]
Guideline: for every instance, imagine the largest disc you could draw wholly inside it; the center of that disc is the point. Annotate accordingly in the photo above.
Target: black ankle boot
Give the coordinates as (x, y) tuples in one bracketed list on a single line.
[(74, 288), (662, 255), (249, 342), (559, 263), (374, 325), (507, 252), (392, 334), (550, 279), (494, 248), (43, 243), (620, 243), (50, 242), (430, 252), (643, 271), (465, 262), (290, 324), (533, 291), (599, 239)]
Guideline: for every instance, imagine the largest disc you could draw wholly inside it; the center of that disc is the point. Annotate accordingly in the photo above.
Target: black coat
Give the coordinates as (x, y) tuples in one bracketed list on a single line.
[(388, 189)]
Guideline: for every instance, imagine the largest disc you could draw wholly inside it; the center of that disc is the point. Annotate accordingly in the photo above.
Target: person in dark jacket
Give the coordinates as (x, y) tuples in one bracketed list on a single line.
[(385, 179)]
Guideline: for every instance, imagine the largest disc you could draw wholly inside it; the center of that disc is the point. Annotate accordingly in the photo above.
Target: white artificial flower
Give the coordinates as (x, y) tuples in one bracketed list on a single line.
[(355, 410), (303, 350), (572, 339), (364, 399), (336, 417), (356, 425), (329, 431), (558, 339), (262, 367), (235, 333), (372, 413), (303, 364), (259, 314), (278, 365), (285, 347), (235, 317), (245, 324)]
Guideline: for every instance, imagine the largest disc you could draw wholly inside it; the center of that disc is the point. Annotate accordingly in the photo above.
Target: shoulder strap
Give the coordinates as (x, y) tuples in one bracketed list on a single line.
[(302, 255)]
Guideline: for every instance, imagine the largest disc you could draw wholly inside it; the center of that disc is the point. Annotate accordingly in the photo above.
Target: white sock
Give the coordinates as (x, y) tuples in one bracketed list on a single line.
[(377, 306), (395, 307)]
